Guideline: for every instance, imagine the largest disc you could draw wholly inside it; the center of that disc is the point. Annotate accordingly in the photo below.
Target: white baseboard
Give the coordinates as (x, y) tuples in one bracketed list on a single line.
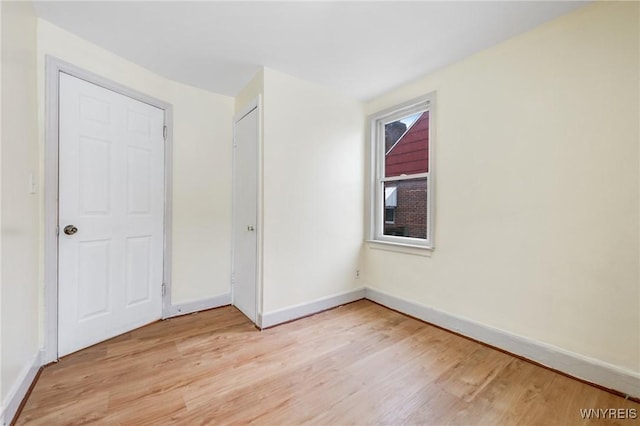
[(269, 319), (573, 364), (19, 390), (199, 305)]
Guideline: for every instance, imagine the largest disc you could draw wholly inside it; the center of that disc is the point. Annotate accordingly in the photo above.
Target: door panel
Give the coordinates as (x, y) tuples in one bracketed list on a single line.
[(111, 165), (95, 176), (94, 266), (245, 214), (138, 180), (138, 267)]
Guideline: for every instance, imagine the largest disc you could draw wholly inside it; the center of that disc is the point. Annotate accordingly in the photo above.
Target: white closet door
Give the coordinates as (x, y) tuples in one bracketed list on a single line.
[(245, 208)]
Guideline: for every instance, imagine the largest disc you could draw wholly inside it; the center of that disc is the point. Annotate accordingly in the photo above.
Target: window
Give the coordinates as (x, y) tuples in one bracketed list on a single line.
[(402, 175)]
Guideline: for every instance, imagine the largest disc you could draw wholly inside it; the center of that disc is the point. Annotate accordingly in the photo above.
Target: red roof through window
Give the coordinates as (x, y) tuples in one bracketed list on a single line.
[(410, 154)]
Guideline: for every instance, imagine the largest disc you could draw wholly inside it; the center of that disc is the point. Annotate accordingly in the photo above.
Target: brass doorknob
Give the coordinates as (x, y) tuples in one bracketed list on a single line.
[(70, 229)]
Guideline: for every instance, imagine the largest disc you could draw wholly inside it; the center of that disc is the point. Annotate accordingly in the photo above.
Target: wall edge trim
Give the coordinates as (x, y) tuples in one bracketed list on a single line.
[(290, 313), (20, 389), (573, 364), (199, 305)]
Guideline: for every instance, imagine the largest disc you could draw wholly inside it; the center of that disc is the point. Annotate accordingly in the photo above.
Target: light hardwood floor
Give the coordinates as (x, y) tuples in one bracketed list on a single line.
[(357, 364)]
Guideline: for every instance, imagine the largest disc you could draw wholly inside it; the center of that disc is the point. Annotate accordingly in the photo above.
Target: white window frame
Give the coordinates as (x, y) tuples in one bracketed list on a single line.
[(377, 122)]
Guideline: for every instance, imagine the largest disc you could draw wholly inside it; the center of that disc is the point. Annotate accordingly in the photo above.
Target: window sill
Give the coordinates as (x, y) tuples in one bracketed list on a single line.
[(400, 248)]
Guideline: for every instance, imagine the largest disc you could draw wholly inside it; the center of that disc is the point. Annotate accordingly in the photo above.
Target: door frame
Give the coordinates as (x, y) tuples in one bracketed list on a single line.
[(254, 104), (53, 68)]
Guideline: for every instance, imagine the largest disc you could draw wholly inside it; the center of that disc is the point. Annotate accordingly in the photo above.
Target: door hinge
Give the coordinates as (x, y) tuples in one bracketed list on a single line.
[(164, 289), (164, 132)]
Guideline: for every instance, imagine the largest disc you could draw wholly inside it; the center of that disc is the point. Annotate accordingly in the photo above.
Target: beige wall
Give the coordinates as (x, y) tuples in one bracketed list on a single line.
[(252, 90), (313, 198), (202, 161), (20, 227), (537, 188), (202, 193)]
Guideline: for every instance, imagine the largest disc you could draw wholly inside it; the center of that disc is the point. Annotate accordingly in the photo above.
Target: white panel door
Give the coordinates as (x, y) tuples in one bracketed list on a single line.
[(111, 162), (245, 210)]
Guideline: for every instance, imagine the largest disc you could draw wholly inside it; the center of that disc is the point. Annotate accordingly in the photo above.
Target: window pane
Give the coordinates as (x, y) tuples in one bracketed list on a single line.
[(390, 203), (406, 208), (407, 145)]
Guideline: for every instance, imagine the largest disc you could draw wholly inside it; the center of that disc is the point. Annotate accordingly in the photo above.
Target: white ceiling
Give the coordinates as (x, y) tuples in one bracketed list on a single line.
[(361, 48)]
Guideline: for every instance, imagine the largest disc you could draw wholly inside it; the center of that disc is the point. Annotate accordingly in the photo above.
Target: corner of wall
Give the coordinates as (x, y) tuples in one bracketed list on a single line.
[(19, 199)]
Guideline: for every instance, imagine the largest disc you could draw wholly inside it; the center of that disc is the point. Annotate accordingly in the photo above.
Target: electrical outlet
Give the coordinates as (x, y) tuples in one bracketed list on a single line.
[(357, 273)]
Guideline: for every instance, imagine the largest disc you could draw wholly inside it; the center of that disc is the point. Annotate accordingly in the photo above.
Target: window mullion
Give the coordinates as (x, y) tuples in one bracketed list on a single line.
[(405, 177)]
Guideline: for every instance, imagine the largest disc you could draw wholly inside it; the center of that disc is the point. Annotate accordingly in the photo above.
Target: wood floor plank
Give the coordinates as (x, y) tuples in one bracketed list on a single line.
[(299, 378), (357, 364)]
